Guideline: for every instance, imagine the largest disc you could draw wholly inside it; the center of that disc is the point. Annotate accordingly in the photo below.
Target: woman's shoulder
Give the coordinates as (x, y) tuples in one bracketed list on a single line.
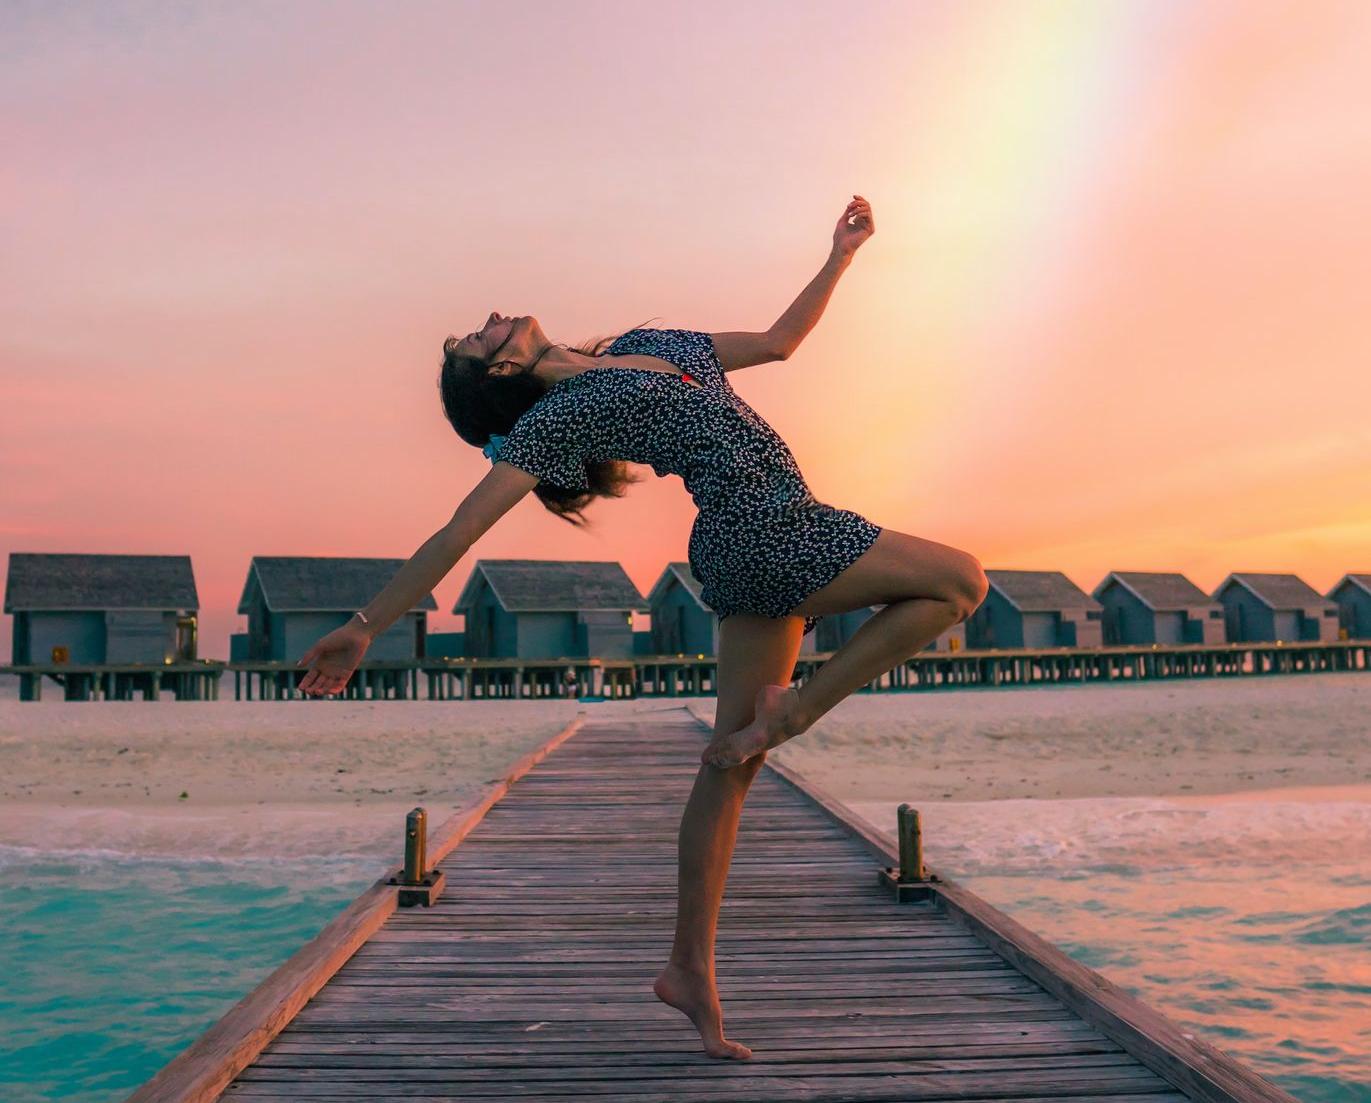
[(643, 340)]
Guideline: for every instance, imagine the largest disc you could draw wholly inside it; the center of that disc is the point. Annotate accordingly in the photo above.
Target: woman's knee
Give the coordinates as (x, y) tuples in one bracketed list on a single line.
[(969, 585)]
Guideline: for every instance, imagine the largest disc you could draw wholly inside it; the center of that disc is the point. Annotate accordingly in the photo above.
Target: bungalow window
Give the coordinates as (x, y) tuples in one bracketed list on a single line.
[(1092, 614), (1215, 614)]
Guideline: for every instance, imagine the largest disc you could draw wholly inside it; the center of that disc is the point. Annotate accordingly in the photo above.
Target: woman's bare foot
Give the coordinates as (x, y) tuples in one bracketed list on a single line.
[(774, 721), (694, 993)]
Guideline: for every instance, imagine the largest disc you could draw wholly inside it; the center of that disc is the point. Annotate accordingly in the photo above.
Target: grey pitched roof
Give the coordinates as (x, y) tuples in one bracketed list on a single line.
[(1355, 578), (1159, 590), (299, 583), (42, 580), (554, 585), (1279, 591), (1040, 591), (680, 571)]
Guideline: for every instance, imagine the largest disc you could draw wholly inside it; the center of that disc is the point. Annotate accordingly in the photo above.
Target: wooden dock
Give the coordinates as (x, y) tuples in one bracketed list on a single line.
[(683, 675), (530, 976)]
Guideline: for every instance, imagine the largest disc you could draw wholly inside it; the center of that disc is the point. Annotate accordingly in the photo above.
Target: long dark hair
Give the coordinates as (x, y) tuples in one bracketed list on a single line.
[(479, 404)]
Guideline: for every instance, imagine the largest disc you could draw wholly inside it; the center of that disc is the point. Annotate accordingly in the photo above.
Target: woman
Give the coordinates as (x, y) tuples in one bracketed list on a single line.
[(772, 560)]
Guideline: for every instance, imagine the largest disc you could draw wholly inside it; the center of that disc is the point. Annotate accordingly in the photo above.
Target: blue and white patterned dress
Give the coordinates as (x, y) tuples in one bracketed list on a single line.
[(761, 542)]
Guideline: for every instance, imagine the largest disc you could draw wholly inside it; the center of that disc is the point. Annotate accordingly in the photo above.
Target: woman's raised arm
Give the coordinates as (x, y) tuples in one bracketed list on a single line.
[(743, 348), (334, 657)]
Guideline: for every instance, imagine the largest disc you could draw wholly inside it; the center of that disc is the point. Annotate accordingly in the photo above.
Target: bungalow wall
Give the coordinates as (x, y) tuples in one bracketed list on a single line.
[(1354, 611), (1206, 626), (291, 634), (37, 632), (836, 629), (1286, 623), (545, 636), (1246, 619), (1126, 619), (604, 634), (1040, 630), (1081, 628), (950, 640), (680, 626), (1169, 627), (1323, 627), (995, 623), (140, 636)]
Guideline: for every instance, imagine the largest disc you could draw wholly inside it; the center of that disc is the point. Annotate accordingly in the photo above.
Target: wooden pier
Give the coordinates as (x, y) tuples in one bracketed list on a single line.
[(685, 676), (530, 976), (188, 680)]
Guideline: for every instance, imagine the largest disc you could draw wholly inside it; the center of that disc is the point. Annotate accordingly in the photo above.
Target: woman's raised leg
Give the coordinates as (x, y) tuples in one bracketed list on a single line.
[(926, 587), (754, 652)]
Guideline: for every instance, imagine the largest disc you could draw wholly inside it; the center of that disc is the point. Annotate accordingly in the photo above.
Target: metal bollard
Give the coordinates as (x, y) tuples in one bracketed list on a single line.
[(416, 842), (416, 883)]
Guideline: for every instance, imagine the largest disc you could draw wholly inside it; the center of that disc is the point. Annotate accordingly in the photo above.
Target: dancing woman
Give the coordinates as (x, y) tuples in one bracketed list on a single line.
[(564, 423)]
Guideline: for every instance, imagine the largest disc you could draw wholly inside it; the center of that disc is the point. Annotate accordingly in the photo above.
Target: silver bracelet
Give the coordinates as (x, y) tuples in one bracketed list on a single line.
[(362, 615)]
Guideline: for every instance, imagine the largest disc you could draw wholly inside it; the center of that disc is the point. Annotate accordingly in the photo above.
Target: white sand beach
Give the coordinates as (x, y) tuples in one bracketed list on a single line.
[(336, 777)]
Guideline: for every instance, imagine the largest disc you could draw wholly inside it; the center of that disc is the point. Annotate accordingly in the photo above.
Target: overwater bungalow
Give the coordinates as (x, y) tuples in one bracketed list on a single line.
[(101, 609), (1275, 607), (292, 600), (1034, 609), (951, 639), (836, 629), (549, 609), (1352, 593), (682, 624), (1161, 607)]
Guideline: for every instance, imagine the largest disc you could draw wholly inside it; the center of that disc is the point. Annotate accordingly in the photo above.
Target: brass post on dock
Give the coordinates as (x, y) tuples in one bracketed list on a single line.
[(416, 883), (911, 881)]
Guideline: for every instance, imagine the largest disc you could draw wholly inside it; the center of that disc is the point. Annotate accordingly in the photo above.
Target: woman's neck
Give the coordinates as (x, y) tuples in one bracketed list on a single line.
[(558, 363)]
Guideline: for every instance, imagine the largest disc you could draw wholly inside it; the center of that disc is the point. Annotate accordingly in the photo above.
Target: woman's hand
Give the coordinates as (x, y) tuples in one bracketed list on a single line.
[(334, 658), (848, 236)]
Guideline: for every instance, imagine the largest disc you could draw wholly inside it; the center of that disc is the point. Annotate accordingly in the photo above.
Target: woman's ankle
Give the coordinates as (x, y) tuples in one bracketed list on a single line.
[(797, 720), (696, 966)]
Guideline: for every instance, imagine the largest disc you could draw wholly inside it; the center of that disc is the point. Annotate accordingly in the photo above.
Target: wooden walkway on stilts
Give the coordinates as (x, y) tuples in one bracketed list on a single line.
[(530, 977)]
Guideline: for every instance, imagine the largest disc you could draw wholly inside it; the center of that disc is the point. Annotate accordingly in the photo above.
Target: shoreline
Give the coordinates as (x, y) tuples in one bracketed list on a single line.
[(293, 780)]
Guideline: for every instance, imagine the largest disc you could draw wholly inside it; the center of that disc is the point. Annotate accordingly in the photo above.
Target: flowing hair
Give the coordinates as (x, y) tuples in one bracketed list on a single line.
[(479, 404)]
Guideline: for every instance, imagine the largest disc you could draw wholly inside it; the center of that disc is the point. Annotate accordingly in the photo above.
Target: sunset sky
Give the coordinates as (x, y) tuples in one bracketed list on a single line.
[(1114, 315)]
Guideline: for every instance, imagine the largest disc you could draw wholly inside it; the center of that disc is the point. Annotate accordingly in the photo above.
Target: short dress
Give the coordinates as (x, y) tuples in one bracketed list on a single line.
[(761, 543)]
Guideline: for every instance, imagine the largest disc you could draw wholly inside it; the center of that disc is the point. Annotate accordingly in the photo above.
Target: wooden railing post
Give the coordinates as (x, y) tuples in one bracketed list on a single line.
[(911, 844), (911, 881)]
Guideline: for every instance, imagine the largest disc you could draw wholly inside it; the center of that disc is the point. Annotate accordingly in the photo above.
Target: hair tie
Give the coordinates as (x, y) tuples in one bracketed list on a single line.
[(492, 450)]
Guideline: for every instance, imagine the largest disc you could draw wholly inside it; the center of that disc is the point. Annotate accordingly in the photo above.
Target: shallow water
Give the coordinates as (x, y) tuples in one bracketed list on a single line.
[(112, 966), (1245, 917)]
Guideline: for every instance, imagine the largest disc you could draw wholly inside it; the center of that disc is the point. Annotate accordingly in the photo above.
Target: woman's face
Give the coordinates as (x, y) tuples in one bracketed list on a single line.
[(515, 339)]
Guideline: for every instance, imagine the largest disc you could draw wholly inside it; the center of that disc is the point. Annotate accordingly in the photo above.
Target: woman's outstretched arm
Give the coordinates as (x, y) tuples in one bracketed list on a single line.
[(334, 657), (741, 349)]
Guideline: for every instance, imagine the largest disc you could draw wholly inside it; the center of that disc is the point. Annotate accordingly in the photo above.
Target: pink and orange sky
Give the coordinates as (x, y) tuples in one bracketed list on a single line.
[(1114, 315)]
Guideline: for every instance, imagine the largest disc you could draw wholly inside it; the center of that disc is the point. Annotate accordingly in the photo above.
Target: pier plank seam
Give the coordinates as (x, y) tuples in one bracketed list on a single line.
[(530, 977)]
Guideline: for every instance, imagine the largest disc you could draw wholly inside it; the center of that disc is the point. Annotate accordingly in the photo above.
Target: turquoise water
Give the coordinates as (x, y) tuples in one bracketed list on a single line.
[(1246, 919), (113, 966)]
